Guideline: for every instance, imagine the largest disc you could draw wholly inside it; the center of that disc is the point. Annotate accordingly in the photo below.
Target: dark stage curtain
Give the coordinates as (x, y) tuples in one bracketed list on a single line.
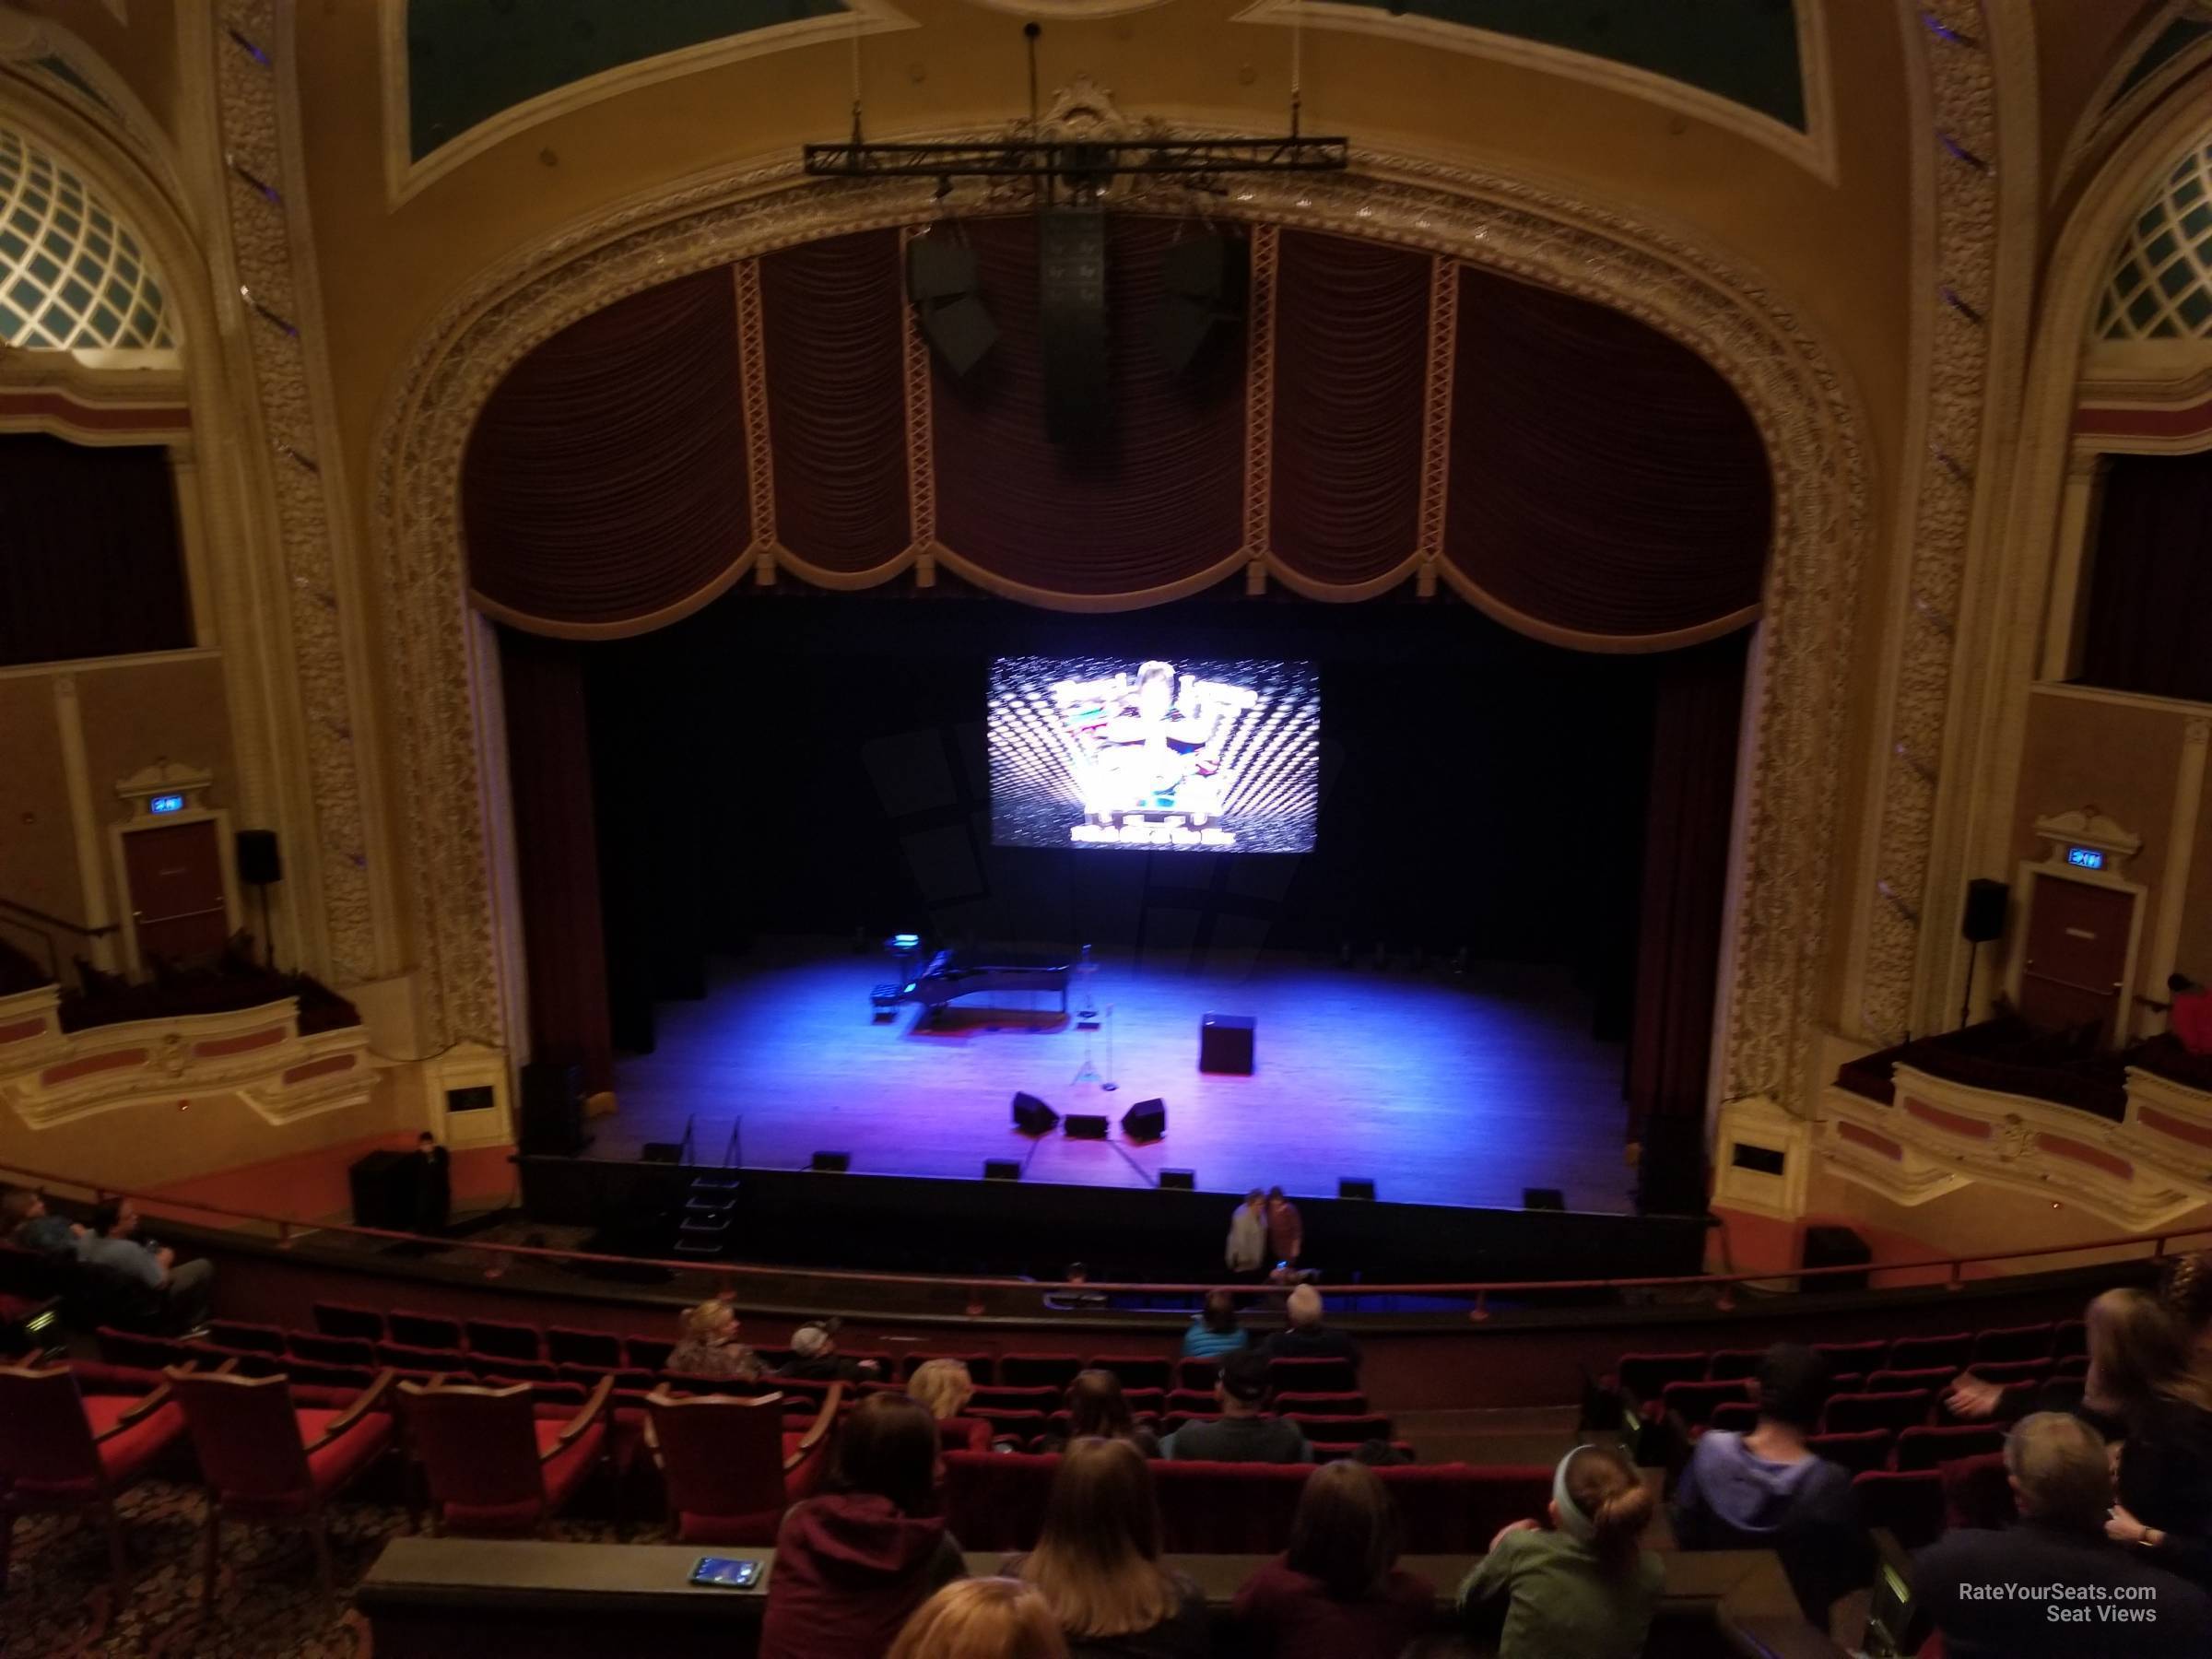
[(2151, 584), (606, 480), (1698, 705), (1158, 502), (90, 564), (836, 399), (1605, 479), (1351, 352), (550, 765)]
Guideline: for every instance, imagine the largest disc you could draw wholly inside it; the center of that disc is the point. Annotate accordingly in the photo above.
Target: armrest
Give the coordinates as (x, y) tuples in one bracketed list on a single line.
[(138, 1413), (595, 1407), (367, 1401), (823, 1423)]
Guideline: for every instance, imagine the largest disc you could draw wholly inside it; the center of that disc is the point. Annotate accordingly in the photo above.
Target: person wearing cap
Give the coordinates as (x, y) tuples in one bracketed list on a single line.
[(1242, 1433), (1584, 1587), (815, 1359), (1306, 1337)]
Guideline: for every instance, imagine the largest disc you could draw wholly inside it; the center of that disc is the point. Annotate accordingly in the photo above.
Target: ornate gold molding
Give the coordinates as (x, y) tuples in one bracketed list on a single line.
[(1811, 428)]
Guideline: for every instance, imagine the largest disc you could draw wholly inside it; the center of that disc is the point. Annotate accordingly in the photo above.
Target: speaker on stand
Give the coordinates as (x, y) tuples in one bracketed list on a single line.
[(260, 863), (1983, 922)]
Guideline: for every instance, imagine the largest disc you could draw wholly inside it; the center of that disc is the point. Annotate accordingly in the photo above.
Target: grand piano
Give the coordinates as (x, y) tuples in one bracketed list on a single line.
[(956, 973)]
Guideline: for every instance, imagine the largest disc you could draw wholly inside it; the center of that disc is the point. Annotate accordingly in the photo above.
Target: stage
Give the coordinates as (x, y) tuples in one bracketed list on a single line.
[(1441, 1089)]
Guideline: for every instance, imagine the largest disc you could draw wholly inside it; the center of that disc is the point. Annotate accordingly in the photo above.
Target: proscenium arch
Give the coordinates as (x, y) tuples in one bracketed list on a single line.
[(1790, 753)]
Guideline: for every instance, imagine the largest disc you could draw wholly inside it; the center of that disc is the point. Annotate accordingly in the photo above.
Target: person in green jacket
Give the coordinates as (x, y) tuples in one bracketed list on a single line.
[(1585, 1588)]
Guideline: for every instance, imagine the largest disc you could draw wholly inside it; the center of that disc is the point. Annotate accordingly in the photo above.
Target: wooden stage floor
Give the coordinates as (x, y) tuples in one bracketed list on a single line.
[(1442, 1089)]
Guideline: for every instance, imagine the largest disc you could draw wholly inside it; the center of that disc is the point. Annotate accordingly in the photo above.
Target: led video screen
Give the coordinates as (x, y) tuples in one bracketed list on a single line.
[(1151, 755)]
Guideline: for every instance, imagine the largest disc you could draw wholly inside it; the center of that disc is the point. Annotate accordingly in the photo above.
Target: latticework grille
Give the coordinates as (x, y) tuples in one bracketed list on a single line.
[(2162, 282), (70, 276)]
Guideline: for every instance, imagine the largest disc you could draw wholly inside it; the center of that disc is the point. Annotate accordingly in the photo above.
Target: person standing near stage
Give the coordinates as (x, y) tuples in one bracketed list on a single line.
[(1247, 1252), (1286, 1231), (433, 1186)]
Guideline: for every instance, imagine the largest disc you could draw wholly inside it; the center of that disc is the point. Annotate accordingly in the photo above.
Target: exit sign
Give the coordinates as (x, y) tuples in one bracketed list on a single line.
[(2085, 858), (169, 802)]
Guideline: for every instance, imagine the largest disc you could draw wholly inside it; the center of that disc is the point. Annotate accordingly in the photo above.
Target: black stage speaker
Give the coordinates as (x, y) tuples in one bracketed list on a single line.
[(553, 1109), (1225, 1042), (1146, 1120), (259, 861), (661, 1152), (1032, 1116), (383, 1185), (1355, 1186), (830, 1163), (1205, 279), (941, 281), (1001, 1168), (1543, 1198), (1984, 918), (1835, 1247), (1084, 1126), (1071, 323), (1670, 1175), (1178, 1181)]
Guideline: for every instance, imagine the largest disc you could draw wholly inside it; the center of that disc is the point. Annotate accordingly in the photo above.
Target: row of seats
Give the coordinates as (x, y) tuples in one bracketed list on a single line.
[(1885, 1399), (1643, 1376), (559, 1345)]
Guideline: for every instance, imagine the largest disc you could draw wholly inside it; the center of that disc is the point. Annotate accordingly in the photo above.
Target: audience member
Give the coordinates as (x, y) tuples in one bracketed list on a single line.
[(1586, 1588), (2187, 1293), (1215, 1330), (1766, 1490), (1306, 1337), (2190, 1015), (2061, 1481), (433, 1186), (2131, 1354), (26, 1223), (815, 1359), (1096, 1563), (1241, 1433), (853, 1563), (1286, 1230), (710, 1347), (1338, 1591), (1247, 1251), (1098, 1410), (943, 1387), (982, 1619), (114, 1248), (2164, 1477)]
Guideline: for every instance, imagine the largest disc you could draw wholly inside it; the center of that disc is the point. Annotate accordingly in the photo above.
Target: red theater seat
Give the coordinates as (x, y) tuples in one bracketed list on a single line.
[(1736, 1417), (423, 1330), (1020, 1399), (401, 1355), (1644, 1377), (1312, 1376), (74, 1437), (344, 1319), (983, 1369), (313, 1373), (2070, 1339), (647, 1353), (565, 1345), (1854, 1358), (492, 1367), (1136, 1370), (1191, 1400), (1351, 1429), (332, 1350), (1934, 1377), (1910, 1504), (1039, 1370), (493, 1464), (1694, 1402), (1865, 1448), (1321, 1405), (1927, 1448), (1905, 1408), (729, 1467), (2013, 1342), (141, 1352), (238, 1335), (1730, 1365), (1197, 1374), (2008, 1371), (1918, 1353), (506, 1340)]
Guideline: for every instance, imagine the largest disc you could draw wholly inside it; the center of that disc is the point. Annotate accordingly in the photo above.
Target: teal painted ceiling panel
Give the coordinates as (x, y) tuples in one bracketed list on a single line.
[(467, 60), (1745, 51)]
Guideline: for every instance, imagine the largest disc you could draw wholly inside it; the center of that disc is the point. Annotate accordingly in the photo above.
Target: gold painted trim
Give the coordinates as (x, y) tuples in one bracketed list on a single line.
[(629, 626), (1813, 150), (921, 432), (406, 177), (1520, 621), (1045, 599), (1266, 254), (752, 394)]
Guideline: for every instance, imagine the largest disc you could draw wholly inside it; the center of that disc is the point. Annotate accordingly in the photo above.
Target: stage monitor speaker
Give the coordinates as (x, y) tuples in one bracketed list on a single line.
[(661, 1152), (1355, 1186), (1081, 1126), (383, 1185), (831, 1163), (1071, 323), (1226, 1043), (1205, 279), (1146, 1120), (1835, 1247), (1178, 1181), (259, 859), (1670, 1171), (941, 281), (1984, 918), (553, 1109), (1543, 1198), (1032, 1116), (1001, 1168)]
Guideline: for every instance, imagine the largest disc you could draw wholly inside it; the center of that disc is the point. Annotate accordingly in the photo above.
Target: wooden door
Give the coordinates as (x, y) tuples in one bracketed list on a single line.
[(176, 880), (2077, 954)]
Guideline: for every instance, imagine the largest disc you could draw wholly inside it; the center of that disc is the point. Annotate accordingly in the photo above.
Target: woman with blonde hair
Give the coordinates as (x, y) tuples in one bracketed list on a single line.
[(1096, 1563), (982, 1619), (709, 1345), (1585, 1588), (943, 1386)]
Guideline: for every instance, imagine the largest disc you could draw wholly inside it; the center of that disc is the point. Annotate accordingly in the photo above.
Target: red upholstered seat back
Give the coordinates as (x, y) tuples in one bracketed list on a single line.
[(1454, 1508), (45, 1439), (244, 1433), (722, 1456), (477, 1446)]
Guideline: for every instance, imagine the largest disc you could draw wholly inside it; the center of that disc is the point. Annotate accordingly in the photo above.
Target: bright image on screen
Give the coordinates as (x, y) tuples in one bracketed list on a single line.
[(1150, 754)]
